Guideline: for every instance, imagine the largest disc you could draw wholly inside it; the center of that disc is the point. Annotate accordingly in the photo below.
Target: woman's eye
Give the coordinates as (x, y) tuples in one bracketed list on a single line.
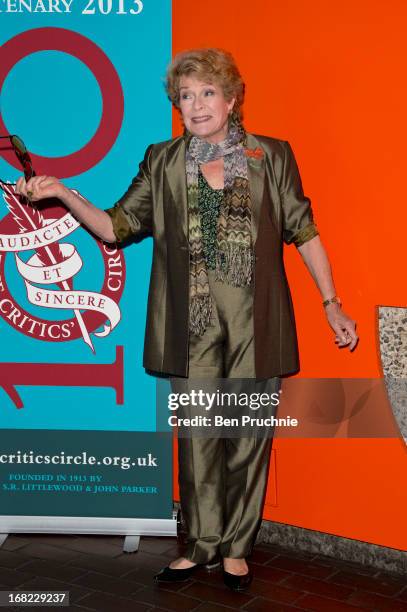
[(185, 96), (209, 92)]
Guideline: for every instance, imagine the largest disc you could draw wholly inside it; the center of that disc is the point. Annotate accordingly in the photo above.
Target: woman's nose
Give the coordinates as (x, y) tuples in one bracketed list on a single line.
[(198, 104)]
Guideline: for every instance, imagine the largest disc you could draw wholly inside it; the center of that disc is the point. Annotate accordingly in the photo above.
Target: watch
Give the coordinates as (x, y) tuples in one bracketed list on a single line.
[(334, 300)]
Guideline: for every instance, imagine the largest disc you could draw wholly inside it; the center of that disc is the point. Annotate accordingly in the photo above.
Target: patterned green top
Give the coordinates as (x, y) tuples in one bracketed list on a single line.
[(209, 202)]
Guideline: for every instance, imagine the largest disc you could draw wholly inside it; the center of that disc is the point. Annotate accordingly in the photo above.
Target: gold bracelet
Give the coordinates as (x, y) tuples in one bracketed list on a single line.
[(334, 300)]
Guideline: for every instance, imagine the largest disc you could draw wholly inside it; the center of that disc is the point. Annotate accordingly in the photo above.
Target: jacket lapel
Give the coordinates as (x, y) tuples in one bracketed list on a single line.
[(177, 181), (256, 173), (176, 177)]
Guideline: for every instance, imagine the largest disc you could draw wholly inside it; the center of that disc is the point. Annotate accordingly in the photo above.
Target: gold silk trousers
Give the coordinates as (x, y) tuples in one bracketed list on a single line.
[(222, 480)]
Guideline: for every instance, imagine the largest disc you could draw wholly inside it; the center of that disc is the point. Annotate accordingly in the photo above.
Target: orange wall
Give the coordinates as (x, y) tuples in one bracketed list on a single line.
[(329, 78)]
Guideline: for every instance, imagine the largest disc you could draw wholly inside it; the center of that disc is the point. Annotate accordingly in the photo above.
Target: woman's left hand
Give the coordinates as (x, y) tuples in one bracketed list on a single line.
[(343, 326)]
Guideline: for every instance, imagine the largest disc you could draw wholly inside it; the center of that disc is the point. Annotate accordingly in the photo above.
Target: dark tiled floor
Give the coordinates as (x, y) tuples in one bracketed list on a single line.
[(99, 576)]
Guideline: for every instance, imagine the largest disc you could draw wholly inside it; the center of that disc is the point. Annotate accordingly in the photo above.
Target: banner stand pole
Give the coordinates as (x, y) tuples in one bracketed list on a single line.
[(131, 543)]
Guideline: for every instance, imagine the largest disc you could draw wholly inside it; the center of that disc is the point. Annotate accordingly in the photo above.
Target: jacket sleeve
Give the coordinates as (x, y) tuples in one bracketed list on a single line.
[(298, 222), (132, 215)]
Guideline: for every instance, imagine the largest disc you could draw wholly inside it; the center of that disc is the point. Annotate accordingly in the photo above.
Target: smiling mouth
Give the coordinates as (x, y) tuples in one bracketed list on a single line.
[(201, 119)]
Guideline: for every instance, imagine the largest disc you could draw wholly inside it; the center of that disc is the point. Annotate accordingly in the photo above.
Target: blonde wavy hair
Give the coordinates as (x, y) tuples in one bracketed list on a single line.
[(209, 65)]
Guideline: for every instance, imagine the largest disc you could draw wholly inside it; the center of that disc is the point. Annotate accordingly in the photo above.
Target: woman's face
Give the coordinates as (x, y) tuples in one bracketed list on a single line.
[(204, 109)]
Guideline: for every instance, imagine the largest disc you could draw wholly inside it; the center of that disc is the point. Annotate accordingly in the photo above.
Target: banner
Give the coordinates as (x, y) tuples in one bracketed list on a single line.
[(82, 85)]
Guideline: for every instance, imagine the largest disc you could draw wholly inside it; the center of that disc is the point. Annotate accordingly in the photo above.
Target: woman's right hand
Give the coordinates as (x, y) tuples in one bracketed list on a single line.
[(40, 187)]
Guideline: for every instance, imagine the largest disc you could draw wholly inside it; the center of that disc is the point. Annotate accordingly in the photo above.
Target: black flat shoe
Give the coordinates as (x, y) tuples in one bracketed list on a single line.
[(175, 575), (168, 574), (237, 583)]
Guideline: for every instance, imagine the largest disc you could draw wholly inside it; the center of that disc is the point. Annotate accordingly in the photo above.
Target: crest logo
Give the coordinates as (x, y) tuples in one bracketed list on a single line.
[(49, 275)]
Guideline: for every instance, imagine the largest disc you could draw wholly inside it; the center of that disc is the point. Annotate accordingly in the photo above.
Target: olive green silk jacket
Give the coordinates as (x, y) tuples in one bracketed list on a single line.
[(155, 204)]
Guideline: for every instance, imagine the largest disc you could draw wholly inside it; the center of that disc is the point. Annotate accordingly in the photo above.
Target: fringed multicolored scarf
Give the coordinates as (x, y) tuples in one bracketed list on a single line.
[(234, 252)]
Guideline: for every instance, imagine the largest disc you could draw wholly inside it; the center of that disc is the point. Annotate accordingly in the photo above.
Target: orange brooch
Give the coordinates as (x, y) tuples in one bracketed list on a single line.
[(254, 153)]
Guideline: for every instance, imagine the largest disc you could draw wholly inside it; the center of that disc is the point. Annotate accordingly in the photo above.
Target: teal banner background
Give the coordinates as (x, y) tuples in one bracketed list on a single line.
[(57, 101)]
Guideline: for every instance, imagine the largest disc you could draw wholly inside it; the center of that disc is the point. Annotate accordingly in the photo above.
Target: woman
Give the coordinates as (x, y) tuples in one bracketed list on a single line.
[(219, 203)]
